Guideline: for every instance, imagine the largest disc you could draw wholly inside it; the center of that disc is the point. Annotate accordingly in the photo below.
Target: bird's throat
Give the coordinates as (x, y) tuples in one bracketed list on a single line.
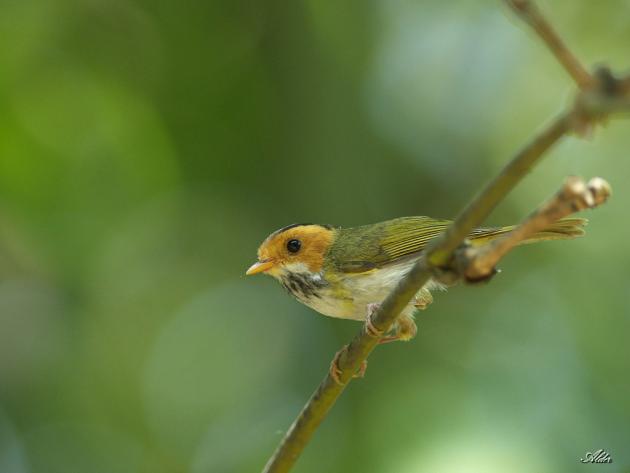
[(303, 285)]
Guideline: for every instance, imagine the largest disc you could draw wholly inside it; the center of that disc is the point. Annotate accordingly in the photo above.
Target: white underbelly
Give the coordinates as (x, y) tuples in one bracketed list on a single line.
[(360, 289)]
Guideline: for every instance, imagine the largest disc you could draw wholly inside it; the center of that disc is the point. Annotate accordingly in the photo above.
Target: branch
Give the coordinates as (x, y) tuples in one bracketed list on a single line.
[(478, 263), (479, 208), (600, 95), (528, 11)]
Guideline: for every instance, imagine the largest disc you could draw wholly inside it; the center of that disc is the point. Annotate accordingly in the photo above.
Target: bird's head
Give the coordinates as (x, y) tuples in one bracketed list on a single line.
[(295, 248)]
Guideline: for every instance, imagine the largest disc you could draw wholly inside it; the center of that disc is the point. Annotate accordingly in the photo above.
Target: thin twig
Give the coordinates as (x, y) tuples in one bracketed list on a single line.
[(440, 252), (575, 195), (529, 12)]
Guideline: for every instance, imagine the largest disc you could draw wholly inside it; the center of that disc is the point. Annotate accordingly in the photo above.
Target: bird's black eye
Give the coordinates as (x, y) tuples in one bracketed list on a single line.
[(294, 246)]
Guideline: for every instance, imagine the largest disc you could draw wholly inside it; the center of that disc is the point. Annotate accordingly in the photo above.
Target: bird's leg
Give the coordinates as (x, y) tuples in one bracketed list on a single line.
[(370, 329), (362, 370), (335, 371), (406, 327), (422, 300), (405, 330)]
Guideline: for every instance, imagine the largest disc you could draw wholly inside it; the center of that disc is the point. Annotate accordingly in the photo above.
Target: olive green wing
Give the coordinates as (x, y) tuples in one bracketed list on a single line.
[(362, 249), (410, 235), (366, 248)]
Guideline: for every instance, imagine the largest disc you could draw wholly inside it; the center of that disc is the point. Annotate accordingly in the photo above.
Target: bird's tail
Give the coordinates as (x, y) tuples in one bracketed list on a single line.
[(563, 229)]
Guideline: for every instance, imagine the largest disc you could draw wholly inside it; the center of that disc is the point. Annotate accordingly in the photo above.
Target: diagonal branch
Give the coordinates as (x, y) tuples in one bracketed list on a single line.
[(529, 12), (477, 263), (479, 208), (600, 95)]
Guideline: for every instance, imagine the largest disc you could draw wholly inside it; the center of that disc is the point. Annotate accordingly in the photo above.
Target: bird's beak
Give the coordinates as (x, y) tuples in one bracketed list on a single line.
[(260, 267)]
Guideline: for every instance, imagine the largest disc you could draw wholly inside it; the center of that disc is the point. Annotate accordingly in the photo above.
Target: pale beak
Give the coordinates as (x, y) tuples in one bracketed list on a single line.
[(260, 267)]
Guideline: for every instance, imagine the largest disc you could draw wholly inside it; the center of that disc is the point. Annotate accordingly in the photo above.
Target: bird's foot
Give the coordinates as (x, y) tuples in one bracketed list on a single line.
[(370, 328), (423, 299), (405, 330), (335, 371)]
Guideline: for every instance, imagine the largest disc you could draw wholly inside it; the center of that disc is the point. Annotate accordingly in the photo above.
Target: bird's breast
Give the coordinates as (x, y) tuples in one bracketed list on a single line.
[(346, 295), (303, 286), (326, 295)]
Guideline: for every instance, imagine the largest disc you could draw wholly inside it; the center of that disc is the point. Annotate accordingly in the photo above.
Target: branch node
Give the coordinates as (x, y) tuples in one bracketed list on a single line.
[(478, 275), (607, 83), (580, 195), (600, 190), (448, 276), (609, 94)]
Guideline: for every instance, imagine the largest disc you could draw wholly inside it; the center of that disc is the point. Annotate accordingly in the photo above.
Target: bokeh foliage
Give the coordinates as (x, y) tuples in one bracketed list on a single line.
[(147, 147)]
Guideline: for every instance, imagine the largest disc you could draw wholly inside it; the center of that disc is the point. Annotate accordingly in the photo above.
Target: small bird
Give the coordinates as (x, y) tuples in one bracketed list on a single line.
[(347, 272)]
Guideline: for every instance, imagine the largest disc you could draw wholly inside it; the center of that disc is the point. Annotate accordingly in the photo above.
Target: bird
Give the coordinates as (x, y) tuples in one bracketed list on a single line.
[(347, 272)]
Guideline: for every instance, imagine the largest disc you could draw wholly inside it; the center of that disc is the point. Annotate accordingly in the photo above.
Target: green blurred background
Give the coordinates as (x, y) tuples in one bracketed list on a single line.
[(147, 147)]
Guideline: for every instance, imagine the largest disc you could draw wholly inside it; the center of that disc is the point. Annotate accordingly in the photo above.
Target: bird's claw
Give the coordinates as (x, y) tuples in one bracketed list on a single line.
[(335, 371), (362, 370), (422, 300), (370, 328)]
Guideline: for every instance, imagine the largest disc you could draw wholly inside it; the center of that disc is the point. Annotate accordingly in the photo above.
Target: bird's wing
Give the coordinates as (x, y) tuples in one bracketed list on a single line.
[(410, 236), (367, 248)]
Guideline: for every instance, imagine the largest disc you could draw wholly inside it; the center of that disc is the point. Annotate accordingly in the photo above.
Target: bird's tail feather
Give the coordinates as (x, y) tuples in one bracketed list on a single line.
[(563, 229)]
